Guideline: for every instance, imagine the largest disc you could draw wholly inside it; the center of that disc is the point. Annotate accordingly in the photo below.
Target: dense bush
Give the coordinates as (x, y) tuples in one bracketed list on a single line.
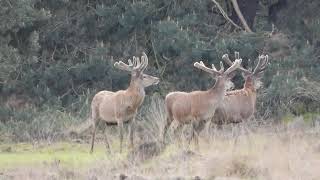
[(56, 53)]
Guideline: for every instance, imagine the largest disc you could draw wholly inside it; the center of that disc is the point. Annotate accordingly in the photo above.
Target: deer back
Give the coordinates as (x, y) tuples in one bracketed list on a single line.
[(198, 105)]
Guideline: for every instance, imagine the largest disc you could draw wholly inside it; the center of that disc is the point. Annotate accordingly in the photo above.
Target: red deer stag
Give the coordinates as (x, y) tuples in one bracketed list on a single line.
[(239, 105), (116, 108), (198, 106)]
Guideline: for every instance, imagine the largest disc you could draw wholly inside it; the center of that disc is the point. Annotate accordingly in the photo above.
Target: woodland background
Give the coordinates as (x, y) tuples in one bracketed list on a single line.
[(55, 55)]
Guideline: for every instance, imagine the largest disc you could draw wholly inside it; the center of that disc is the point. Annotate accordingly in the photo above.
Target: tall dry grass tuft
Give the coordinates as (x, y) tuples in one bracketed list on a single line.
[(253, 150), (151, 119), (274, 152)]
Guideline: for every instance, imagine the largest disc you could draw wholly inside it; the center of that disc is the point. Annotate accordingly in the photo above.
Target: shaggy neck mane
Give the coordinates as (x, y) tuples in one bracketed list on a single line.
[(247, 88), (249, 84), (136, 88), (218, 87)]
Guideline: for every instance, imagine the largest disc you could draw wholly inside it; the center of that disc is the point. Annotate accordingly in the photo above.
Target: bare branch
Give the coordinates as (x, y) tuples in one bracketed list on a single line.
[(238, 11), (224, 14)]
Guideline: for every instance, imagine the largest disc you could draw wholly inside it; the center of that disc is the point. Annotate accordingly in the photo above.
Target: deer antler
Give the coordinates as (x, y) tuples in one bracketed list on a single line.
[(123, 66), (135, 65), (229, 62), (236, 64), (212, 70), (262, 64), (144, 61)]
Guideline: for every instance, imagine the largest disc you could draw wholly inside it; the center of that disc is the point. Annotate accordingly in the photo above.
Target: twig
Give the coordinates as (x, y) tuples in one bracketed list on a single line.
[(52, 55), (155, 55), (243, 21), (224, 14), (135, 40), (9, 3)]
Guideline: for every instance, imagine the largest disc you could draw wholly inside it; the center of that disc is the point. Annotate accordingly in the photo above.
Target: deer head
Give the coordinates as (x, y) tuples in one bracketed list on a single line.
[(221, 76), (136, 68), (252, 77)]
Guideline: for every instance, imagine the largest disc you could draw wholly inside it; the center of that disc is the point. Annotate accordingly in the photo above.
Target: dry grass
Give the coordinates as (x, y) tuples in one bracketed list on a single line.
[(265, 151), (274, 152)]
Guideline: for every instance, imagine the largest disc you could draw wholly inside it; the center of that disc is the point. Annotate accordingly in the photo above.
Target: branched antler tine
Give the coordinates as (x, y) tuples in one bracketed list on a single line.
[(130, 62), (234, 66), (226, 59), (116, 64), (265, 63), (201, 66), (237, 56), (260, 62), (144, 61), (250, 65), (123, 66), (134, 61), (221, 67), (213, 67), (267, 59), (138, 63)]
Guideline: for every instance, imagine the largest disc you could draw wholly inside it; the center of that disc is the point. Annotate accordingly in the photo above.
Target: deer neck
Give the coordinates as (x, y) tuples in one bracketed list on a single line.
[(250, 89), (249, 84), (136, 89), (219, 89)]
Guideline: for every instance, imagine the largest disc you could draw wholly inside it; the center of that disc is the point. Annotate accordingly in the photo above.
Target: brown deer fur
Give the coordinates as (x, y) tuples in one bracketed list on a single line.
[(240, 105), (121, 106), (196, 107)]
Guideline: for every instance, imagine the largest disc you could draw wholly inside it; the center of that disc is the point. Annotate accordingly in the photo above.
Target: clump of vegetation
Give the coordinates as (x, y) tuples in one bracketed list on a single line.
[(55, 55), (265, 153)]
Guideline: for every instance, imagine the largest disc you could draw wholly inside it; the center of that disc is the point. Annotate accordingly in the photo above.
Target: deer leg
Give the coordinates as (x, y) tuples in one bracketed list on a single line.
[(131, 131), (94, 127), (197, 128), (193, 124), (209, 127), (165, 129), (95, 120), (106, 138), (177, 132), (248, 132), (120, 127), (193, 132), (236, 135)]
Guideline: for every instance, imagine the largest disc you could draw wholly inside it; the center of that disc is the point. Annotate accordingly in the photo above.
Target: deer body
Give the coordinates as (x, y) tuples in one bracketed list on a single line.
[(115, 106), (240, 105), (122, 106), (197, 107)]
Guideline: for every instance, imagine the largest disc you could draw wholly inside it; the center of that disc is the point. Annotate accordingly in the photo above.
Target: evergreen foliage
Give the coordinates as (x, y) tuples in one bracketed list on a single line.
[(54, 52)]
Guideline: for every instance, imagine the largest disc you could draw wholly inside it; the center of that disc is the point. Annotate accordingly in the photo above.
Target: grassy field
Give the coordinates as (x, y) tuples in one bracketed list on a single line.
[(68, 154), (264, 152)]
